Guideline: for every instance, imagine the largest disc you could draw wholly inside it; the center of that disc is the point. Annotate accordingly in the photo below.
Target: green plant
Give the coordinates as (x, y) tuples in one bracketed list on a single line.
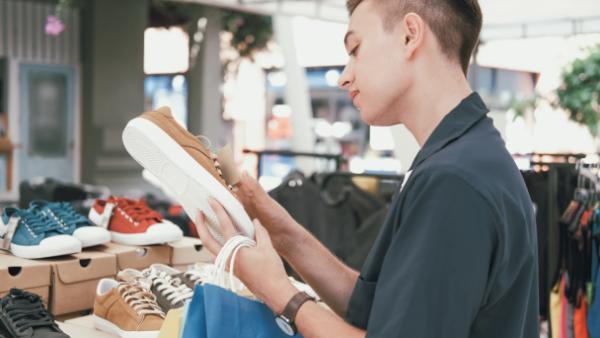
[(526, 105), (579, 93), (62, 6), (250, 32)]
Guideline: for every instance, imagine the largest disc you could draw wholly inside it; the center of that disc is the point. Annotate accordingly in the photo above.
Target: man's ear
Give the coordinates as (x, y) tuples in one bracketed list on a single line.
[(413, 27)]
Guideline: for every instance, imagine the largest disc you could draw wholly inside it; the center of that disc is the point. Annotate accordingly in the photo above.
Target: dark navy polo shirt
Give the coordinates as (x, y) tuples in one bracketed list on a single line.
[(457, 254)]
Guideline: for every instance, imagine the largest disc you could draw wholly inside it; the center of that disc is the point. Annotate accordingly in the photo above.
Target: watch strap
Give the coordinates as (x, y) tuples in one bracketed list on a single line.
[(292, 307)]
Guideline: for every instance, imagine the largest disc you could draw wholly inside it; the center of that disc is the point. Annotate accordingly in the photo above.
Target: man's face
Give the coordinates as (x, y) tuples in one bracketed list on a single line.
[(377, 74)]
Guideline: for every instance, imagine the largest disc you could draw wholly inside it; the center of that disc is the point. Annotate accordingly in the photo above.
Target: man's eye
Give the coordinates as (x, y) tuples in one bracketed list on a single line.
[(353, 51)]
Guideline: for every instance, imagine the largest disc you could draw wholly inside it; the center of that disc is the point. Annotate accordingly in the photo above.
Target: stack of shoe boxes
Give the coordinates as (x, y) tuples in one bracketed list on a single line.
[(74, 280), (67, 284), (136, 257), (186, 252), (28, 275)]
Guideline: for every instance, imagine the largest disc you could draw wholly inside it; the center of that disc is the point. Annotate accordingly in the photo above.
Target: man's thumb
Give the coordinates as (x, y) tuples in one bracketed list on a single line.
[(262, 235)]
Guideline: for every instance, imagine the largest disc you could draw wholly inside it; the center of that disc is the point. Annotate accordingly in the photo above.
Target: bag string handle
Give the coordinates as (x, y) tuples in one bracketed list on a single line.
[(230, 249)]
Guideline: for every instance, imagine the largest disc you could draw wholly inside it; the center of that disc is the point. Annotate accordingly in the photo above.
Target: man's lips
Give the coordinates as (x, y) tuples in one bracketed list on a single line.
[(353, 94)]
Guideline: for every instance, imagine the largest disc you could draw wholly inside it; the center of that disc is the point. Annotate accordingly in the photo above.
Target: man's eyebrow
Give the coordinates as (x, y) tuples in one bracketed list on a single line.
[(347, 36)]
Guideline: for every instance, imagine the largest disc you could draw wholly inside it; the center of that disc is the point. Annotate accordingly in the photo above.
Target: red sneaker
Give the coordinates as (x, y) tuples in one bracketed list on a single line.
[(132, 222)]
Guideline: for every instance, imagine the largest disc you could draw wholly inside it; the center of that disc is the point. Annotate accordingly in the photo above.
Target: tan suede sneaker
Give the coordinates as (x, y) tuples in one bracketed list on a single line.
[(128, 310), (185, 167), (200, 151)]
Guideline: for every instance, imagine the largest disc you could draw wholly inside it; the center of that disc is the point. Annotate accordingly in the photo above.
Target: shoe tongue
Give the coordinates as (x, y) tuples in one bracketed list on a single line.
[(24, 299), (20, 294), (143, 282)]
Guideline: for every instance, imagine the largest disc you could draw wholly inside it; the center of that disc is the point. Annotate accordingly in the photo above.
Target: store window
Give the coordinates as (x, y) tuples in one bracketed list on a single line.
[(167, 90), (499, 88), (48, 110), (166, 61), (166, 50)]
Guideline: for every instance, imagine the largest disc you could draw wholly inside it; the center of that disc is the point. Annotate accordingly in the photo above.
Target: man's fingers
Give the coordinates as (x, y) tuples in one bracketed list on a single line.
[(262, 235), (225, 222), (207, 239)]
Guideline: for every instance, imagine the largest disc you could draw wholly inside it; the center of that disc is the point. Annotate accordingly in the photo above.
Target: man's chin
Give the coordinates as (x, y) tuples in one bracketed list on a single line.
[(376, 119)]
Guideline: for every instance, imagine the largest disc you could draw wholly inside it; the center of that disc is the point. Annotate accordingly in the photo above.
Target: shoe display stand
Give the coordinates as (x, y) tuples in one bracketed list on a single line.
[(67, 284), (82, 327)]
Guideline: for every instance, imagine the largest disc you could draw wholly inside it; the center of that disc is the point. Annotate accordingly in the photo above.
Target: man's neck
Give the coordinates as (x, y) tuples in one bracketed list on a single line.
[(433, 102)]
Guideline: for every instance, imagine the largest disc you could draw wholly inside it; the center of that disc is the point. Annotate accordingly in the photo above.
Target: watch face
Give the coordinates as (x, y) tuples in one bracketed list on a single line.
[(285, 326)]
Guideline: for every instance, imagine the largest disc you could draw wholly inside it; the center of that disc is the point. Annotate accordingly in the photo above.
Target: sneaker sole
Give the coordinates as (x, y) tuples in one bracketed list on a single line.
[(144, 238), (37, 251), (96, 240), (157, 152), (106, 326)]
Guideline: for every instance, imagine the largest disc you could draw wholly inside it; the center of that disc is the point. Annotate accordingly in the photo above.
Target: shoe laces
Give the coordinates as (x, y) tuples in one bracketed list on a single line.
[(65, 213), (199, 275), (140, 299), (25, 310), (37, 222), (170, 287), (137, 211), (206, 142)]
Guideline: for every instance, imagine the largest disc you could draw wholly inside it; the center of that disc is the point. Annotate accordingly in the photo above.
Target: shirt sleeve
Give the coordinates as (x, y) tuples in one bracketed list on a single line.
[(434, 274)]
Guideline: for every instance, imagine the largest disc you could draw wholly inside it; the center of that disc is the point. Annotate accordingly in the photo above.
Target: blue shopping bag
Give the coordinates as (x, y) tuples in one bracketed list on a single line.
[(225, 314), (194, 318)]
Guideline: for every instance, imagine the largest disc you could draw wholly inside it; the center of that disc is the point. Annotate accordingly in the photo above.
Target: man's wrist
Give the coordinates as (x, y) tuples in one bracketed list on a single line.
[(280, 295)]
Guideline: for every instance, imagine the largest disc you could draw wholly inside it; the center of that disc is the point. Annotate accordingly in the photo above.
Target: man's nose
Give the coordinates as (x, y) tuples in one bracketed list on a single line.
[(345, 79)]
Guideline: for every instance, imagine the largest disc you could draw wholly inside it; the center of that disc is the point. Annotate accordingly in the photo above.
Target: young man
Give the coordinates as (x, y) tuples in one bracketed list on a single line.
[(456, 257)]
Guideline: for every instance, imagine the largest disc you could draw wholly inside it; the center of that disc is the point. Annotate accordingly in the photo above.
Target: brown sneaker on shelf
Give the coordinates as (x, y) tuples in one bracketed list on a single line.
[(127, 310), (185, 167)]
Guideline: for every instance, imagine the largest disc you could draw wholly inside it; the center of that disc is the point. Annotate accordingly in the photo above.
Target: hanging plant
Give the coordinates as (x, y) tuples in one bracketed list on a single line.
[(250, 32), (55, 22), (579, 93)]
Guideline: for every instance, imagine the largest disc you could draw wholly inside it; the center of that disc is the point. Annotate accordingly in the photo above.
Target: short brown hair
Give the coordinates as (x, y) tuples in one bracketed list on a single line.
[(455, 23)]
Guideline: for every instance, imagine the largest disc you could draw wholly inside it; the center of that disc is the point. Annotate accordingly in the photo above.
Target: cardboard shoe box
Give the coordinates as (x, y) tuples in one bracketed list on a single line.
[(75, 278), (188, 251), (29, 275), (137, 257)]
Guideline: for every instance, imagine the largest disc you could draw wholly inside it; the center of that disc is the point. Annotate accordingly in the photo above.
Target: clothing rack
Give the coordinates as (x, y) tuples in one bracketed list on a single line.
[(576, 156), (337, 158), (390, 177)]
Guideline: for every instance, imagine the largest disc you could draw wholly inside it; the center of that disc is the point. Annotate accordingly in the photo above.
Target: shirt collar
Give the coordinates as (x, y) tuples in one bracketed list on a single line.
[(468, 112)]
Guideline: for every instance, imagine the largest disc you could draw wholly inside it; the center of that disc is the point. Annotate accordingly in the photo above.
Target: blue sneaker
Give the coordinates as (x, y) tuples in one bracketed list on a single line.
[(34, 236), (71, 222)]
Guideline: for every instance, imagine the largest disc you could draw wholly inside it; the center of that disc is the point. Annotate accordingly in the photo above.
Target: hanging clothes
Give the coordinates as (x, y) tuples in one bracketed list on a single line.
[(333, 213), (555, 311), (580, 319), (551, 192)]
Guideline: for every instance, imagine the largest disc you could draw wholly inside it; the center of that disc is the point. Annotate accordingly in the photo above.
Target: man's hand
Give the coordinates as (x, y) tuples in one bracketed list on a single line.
[(326, 274), (259, 268), (278, 222)]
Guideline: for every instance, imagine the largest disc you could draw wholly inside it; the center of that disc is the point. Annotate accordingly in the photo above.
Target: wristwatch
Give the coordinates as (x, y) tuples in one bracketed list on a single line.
[(285, 320)]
